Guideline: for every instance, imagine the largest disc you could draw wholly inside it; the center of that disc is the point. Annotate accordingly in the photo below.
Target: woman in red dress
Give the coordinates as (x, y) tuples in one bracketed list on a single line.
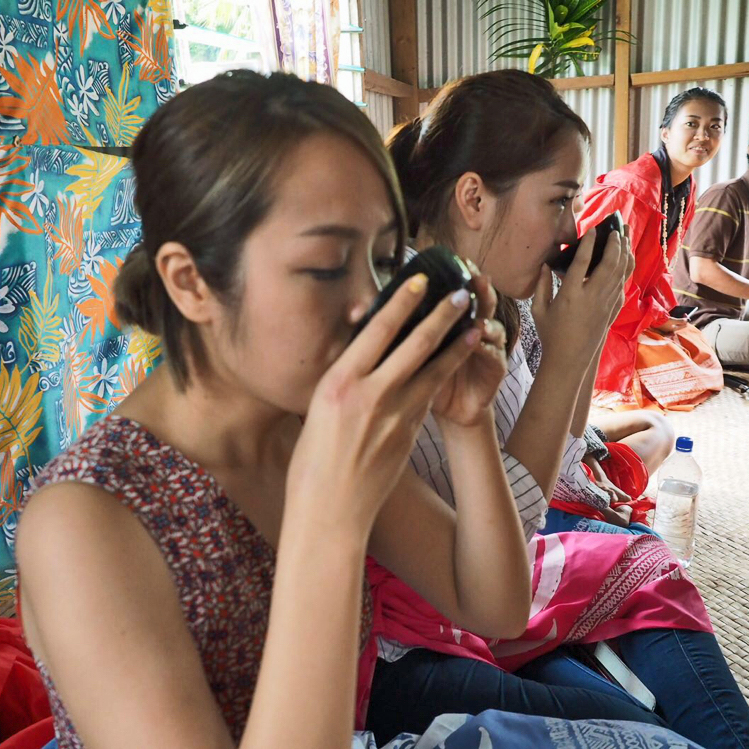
[(651, 359)]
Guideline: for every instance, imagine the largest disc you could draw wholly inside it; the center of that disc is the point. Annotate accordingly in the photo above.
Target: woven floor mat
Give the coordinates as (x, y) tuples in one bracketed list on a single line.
[(720, 569)]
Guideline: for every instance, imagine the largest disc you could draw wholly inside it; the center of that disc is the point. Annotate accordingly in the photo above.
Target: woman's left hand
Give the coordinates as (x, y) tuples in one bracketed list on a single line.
[(471, 390)]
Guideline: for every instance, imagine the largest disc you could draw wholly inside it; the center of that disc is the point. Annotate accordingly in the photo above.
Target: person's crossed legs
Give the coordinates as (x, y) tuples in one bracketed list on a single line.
[(648, 433)]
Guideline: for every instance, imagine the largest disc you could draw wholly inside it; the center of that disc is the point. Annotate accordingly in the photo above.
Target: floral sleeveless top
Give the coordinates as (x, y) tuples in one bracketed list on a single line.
[(222, 567)]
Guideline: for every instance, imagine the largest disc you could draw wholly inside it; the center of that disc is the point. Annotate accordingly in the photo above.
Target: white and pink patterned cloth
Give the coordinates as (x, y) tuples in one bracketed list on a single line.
[(587, 587)]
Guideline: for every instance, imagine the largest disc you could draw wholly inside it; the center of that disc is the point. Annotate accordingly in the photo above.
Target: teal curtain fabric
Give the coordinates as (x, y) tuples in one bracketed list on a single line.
[(75, 75), (64, 358), (83, 72)]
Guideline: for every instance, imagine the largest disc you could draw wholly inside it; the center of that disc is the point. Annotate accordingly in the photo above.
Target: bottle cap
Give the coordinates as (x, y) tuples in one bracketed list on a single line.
[(684, 444)]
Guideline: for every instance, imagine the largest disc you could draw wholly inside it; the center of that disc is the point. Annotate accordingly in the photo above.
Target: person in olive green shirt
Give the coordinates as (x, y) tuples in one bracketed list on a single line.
[(712, 269)]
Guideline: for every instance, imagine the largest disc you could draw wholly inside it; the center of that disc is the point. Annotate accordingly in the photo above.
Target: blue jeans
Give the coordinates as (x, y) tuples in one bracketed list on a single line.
[(695, 690), (410, 692), (697, 695), (558, 521)]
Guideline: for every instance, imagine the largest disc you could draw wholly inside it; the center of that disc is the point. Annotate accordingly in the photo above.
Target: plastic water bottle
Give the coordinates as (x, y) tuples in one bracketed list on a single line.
[(679, 481)]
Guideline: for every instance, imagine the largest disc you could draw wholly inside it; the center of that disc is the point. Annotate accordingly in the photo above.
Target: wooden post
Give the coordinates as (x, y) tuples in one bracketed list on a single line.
[(622, 85), (405, 56)]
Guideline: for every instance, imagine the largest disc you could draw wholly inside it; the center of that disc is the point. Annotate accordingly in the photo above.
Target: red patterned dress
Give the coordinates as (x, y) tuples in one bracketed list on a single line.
[(222, 567)]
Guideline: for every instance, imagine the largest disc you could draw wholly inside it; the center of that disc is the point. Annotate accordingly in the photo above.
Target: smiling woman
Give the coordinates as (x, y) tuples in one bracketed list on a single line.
[(651, 359)]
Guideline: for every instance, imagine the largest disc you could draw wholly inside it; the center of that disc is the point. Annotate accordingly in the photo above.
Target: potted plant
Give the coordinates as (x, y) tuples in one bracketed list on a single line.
[(561, 33)]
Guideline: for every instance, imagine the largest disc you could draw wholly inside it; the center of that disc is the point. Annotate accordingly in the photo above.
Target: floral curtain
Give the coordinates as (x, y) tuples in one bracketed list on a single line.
[(75, 76), (83, 72), (307, 36)]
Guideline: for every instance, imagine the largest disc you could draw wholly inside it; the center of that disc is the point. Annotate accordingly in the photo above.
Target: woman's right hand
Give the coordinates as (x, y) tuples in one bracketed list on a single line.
[(573, 323), (363, 418)]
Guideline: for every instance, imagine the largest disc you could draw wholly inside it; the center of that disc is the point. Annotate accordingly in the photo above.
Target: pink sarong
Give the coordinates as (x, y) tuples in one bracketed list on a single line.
[(587, 587)]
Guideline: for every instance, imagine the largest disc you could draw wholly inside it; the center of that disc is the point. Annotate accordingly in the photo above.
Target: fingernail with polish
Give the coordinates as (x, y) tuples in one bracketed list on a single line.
[(417, 283), (460, 298)]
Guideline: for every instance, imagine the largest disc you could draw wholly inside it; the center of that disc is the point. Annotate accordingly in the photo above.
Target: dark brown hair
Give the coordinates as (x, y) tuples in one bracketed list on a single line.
[(692, 94), (502, 125), (205, 165)]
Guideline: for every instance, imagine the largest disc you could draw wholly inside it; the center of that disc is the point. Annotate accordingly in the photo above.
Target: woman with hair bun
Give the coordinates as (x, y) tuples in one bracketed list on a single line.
[(652, 359), (493, 169), (220, 517)]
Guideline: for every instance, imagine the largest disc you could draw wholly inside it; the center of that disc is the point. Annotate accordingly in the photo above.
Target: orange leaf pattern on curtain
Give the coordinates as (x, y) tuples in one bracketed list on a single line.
[(68, 69), (38, 100), (100, 308), (151, 48), (88, 17), (14, 214), (68, 236)]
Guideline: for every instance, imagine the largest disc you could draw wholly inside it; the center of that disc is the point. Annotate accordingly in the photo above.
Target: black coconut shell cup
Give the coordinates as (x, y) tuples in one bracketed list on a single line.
[(561, 261), (446, 273)]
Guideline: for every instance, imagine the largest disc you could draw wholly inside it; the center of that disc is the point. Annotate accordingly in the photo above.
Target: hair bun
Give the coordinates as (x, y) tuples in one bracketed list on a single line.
[(402, 143), (134, 290)]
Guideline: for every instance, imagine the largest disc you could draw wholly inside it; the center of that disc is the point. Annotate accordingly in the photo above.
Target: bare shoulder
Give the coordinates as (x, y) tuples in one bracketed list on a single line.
[(102, 612), (67, 519), (77, 549)]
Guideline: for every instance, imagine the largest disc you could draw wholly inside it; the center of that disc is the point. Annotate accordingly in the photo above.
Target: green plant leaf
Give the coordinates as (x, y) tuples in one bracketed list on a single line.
[(535, 13), (516, 49), (504, 29), (566, 40), (584, 8), (500, 34)]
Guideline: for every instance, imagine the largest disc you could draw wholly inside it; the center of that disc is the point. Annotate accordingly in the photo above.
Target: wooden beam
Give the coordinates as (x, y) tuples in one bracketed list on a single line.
[(704, 73), (384, 84), (622, 54), (561, 84), (583, 81), (427, 94), (405, 56)]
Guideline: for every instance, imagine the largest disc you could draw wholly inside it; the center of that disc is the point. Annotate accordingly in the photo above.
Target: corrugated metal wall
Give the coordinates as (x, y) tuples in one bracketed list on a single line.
[(671, 33), (376, 24)]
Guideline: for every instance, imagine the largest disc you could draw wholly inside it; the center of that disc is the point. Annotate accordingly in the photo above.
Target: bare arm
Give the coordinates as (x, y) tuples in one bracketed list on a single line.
[(572, 327), (585, 396), (545, 419), (489, 534), (106, 620), (311, 652), (470, 564), (709, 272)]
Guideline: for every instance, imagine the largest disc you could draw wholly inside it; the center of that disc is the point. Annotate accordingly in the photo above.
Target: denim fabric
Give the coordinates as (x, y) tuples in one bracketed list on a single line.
[(558, 521), (408, 693), (696, 692)]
